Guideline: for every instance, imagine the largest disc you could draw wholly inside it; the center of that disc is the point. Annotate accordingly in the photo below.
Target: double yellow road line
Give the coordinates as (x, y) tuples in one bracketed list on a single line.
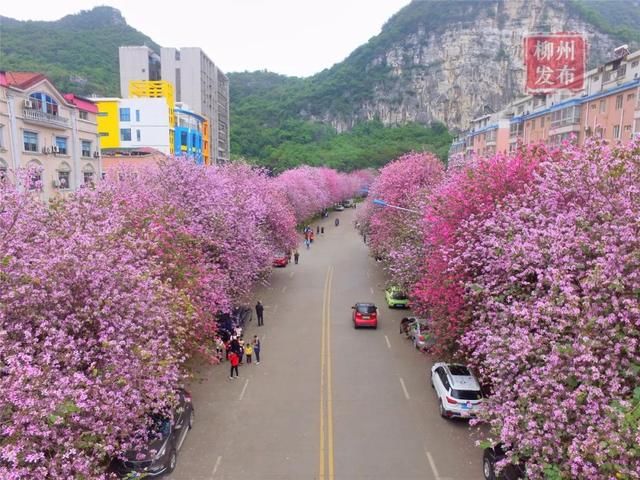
[(326, 470)]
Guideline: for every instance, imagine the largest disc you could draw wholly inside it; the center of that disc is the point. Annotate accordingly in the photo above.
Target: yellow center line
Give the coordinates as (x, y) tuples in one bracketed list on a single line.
[(326, 444), (329, 383)]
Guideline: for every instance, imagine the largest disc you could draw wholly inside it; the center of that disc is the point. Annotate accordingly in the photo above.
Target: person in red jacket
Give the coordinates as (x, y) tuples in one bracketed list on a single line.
[(235, 361)]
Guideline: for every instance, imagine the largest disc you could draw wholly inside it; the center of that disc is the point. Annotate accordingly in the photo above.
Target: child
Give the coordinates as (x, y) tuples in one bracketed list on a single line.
[(248, 351)]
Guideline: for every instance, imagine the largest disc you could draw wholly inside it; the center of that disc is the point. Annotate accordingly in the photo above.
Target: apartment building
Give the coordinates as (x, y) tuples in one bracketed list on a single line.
[(608, 108), (196, 80), (55, 134), (129, 123)]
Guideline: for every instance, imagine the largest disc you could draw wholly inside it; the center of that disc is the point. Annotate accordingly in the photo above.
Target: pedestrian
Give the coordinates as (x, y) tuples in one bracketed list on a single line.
[(235, 361), (248, 351), (311, 237), (256, 348), (322, 230), (240, 351), (337, 222), (296, 256), (317, 228), (364, 237), (260, 310), (307, 243)]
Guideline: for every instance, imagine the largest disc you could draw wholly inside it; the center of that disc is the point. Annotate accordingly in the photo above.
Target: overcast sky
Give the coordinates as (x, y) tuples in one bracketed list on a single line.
[(293, 37)]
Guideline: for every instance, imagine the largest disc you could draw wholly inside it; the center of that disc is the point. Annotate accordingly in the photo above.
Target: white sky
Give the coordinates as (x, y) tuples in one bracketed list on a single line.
[(292, 37)]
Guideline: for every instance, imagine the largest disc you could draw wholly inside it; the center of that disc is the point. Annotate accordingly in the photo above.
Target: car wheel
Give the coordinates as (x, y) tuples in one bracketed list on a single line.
[(173, 460), (191, 415), (487, 467)]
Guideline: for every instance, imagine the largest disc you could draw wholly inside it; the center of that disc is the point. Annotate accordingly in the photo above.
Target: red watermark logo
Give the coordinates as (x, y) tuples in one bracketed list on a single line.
[(554, 61)]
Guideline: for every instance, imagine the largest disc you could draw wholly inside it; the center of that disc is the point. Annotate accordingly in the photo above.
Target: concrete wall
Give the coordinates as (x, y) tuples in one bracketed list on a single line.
[(134, 65)]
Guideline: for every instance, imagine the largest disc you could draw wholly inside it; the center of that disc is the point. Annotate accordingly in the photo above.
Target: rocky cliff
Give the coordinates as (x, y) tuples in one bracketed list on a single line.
[(456, 59)]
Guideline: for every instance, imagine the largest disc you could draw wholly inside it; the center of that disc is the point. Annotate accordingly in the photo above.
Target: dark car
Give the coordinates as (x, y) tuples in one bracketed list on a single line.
[(365, 314), (238, 317), (493, 455), (167, 436)]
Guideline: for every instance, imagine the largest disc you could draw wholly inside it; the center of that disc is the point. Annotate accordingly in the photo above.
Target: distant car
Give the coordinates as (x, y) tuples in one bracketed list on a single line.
[(161, 454), (348, 203), (365, 315), (280, 259), (458, 391), (493, 455), (338, 208), (396, 298)]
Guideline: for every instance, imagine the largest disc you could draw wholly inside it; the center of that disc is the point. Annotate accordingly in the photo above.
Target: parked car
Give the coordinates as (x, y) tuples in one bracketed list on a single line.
[(167, 436), (457, 389), (396, 298), (493, 455), (281, 259), (420, 334), (338, 207), (348, 203), (365, 314)]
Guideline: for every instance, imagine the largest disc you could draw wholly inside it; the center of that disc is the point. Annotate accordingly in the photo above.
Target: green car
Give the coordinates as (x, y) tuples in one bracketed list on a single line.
[(396, 298)]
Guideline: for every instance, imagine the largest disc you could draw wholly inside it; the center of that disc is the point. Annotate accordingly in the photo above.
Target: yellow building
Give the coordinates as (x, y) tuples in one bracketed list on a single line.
[(108, 122)]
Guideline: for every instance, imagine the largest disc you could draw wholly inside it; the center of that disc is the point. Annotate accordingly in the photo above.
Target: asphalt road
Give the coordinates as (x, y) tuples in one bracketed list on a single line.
[(327, 402)]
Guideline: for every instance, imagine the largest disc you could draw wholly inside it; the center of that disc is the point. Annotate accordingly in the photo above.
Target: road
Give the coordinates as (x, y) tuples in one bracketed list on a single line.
[(327, 402)]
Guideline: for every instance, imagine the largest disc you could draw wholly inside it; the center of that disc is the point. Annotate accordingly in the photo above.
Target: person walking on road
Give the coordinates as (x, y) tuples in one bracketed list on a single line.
[(260, 310), (322, 230), (296, 256), (317, 229), (235, 361), (337, 222), (256, 348), (248, 351), (307, 243)]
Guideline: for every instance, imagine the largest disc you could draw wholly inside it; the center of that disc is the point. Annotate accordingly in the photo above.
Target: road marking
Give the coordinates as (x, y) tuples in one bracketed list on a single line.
[(432, 464), (244, 389), (404, 389), (284, 289), (216, 466), (371, 288), (326, 467), (291, 274), (388, 342)]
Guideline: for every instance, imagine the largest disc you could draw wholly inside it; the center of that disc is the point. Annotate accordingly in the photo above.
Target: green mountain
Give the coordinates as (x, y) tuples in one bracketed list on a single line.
[(79, 53), (434, 63)]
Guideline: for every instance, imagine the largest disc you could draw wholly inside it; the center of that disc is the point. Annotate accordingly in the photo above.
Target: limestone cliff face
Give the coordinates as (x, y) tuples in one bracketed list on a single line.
[(452, 74)]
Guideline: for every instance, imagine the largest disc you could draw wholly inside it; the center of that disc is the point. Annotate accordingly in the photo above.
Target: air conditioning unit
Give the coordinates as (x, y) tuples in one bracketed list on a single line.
[(43, 149), (55, 149), (96, 154), (56, 183), (28, 103)]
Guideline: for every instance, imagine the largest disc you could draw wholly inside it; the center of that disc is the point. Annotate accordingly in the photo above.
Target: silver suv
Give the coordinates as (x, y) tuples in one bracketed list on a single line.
[(457, 389)]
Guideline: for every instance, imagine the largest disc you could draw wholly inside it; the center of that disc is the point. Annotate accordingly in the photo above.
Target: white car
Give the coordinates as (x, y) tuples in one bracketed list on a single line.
[(457, 389), (338, 208)]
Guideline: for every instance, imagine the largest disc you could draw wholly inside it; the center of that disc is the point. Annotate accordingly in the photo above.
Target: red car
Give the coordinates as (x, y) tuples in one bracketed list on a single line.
[(280, 260), (365, 315)]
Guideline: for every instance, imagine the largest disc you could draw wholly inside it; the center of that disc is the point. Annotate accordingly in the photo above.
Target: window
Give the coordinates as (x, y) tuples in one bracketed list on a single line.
[(618, 102), (88, 175), (3, 170), (634, 64), (137, 115), (35, 175), (622, 70), (616, 131), (64, 177), (603, 105), (606, 77), (103, 114), (183, 138), (138, 135), (84, 115), (533, 123), (593, 106), (30, 141), (125, 134), (466, 394), (1, 136), (541, 122), (125, 115), (44, 102), (104, 134), (630, 97), (86, 148), (61, 143), (595, 78)]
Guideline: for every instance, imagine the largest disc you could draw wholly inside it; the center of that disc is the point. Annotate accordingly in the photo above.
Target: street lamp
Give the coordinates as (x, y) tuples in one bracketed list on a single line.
[(382, 203)]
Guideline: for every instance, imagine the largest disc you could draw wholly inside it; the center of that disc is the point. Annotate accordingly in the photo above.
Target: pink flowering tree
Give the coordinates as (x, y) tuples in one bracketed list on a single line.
[(395, 235), (552, 278), (471, 191)]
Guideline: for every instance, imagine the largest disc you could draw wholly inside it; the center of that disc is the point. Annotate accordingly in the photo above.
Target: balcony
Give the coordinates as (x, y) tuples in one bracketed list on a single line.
[(565, 122), (38, 116)]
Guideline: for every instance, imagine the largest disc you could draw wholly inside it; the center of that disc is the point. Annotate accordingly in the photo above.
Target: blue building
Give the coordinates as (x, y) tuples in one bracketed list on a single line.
[(188, 136)]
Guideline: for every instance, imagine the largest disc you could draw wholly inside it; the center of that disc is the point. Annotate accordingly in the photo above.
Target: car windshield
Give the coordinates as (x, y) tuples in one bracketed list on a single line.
[(459, 370), (466, 394), (160, 427), (366, 309), (399, 295)]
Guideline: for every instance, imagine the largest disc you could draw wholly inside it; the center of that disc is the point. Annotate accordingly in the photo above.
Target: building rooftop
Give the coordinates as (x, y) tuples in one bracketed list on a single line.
[(21, 80), (81, 103)]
